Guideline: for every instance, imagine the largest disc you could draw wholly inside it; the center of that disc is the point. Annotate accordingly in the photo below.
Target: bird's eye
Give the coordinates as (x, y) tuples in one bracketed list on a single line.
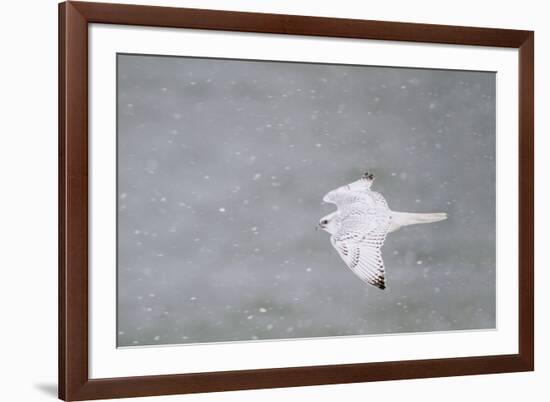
[(324, 222)]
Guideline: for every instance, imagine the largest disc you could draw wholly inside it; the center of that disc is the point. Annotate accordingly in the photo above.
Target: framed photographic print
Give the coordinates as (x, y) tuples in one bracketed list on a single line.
[(258, 200)]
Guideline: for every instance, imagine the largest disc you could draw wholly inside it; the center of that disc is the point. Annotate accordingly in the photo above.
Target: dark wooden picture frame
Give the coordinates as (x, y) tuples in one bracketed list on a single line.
[(74, 381)]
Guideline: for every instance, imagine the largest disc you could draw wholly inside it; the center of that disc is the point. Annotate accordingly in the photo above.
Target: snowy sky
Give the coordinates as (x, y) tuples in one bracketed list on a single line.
[(222, 165)]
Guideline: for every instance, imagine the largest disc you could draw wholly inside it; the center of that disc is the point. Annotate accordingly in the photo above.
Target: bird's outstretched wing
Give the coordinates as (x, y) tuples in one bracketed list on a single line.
[(350, 192), (362, 253), (363, 220)]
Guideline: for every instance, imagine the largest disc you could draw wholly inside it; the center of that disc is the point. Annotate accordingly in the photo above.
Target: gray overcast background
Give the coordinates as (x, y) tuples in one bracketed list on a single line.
[(222, 165)]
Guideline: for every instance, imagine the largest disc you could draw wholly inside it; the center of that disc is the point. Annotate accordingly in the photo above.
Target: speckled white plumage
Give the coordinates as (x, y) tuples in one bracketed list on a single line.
[(359, 227)]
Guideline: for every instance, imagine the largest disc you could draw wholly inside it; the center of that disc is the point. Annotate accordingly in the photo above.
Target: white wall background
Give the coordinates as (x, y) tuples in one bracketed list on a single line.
[(28, 213)]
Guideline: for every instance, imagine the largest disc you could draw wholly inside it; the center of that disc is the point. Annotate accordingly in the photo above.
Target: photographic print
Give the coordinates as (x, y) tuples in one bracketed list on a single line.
[(268, 200)]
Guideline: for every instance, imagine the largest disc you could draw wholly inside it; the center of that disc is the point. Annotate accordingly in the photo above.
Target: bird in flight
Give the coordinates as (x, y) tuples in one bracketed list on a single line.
[(359, 227)]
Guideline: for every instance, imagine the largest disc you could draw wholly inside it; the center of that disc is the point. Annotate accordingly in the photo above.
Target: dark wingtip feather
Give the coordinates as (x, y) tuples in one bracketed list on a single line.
[(380, 283), (368, 176)]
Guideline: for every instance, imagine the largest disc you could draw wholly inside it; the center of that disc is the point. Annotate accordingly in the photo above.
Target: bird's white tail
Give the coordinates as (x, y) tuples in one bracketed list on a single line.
[(400, 219)]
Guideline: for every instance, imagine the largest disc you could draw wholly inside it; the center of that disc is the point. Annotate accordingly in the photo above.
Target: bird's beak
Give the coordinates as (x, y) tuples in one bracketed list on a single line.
[(318, 227)]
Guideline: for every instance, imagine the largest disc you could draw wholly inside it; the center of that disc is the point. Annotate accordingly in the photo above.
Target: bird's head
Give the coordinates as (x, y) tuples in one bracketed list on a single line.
[(327, 223)]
